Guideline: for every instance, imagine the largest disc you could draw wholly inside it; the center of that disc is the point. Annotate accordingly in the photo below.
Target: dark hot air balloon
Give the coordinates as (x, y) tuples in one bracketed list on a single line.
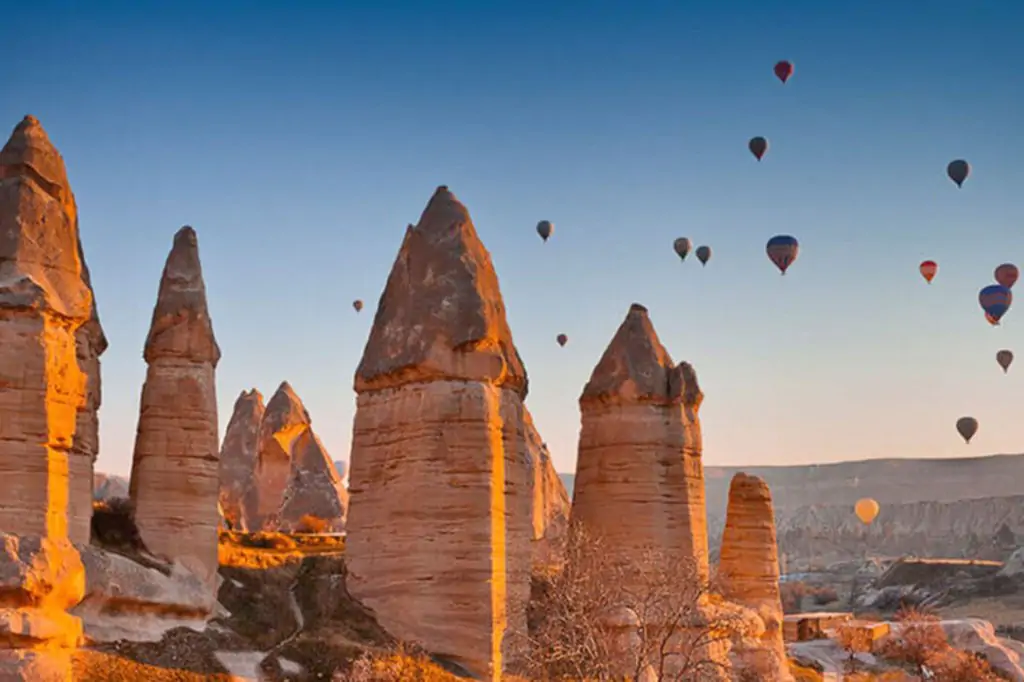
[(782, 250), (967, 427), (1007, 274), (958, 171), (562, 340), (1005, 359), (544, 229), (357, 304), (783, 70), (758, 146), (995, 299), (682, 247), (928, 269), (703, 254)]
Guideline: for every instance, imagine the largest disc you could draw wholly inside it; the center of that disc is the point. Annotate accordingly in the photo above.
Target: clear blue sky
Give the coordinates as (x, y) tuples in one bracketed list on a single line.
[(299, 140)]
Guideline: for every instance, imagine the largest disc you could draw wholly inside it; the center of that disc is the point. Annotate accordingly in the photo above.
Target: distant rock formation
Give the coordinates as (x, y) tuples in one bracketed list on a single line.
[(439, 529), (284, 420), (550, 501), (341, 466), (174, 481), (749, 573), (639, 478), (108, 486), (238, 456)]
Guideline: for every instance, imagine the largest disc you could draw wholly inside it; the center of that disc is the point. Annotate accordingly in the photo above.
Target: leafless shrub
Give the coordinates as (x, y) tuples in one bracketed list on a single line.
[(919, 640)]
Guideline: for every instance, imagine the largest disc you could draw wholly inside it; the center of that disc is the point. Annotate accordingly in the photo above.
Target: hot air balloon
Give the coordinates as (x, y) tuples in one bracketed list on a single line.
[(758, 146), (357, 304), (703, 254), (866, 510), (782, 250), (1007, 274), (544, 229), (967, 427), (928, 269), (682, 247), (958, 171), (562, 339), (1005, 359), (995, 299), (991, 320), (783, 70)]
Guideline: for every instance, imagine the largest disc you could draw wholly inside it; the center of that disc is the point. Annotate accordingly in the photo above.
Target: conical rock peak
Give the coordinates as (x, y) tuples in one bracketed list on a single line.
[(441, 315), (285, 410)]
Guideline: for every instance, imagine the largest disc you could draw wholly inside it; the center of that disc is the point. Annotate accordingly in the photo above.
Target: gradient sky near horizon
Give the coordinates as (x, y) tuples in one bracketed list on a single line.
[(300, 139)]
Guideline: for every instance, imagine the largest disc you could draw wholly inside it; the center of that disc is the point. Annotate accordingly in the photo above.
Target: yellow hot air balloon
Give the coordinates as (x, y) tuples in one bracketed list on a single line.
[(866, 510)]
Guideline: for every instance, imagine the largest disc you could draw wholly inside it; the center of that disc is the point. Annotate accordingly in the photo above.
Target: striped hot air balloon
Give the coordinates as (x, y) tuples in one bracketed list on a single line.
[(782, 250), (995, 300)]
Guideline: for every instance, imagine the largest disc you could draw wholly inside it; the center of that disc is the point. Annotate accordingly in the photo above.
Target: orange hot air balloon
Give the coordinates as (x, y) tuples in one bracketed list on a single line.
[(562, 340), (928, 269), (866, 510)]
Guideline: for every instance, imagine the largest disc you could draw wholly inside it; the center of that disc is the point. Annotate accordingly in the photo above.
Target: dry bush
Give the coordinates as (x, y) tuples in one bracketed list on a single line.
[(919, 641), (792, 594), (396, 666), (267, 540), (312, 524), (825, 595), (962, 666), (581, 614), (113, 524)]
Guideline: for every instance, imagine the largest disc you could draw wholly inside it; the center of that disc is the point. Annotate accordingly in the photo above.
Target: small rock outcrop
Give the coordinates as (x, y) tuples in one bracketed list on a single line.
[(639, 477), (238, 456), (550, 501), (174, 481), (749, 573), (438, 537)]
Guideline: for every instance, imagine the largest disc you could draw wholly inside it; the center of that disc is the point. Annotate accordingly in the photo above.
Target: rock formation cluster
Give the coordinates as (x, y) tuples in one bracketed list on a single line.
[(439, 529)]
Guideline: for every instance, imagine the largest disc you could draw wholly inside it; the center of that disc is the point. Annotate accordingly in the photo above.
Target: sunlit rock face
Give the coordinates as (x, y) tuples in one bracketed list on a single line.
[(550, 501), (284, 420), (174, 482), (238, 457), (639, 478), (439, 527)]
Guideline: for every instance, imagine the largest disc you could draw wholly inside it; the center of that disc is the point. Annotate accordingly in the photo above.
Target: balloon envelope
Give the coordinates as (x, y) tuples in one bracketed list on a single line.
[(991, 320), (758, 146), (1007, 274), (995, 300), (682, 247), (928, 269), (562, 339), (544, 229), (1005, 359), (703, 254), (866, 509), (782, 250), (783, 70), (357, 304), (958, 171), (967, 427)]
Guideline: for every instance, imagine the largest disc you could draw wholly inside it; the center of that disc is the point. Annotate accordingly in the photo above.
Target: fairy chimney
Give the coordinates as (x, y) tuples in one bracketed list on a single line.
[(439, 528), (174, 480), (238, 455)]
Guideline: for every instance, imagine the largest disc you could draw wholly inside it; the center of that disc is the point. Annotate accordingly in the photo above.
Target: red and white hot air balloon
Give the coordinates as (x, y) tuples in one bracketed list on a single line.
[(928, 269), (783, 70)]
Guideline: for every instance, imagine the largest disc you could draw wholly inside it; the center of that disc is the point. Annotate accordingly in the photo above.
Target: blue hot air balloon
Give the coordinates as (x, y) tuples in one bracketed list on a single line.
[(995, 299), (782, 250)]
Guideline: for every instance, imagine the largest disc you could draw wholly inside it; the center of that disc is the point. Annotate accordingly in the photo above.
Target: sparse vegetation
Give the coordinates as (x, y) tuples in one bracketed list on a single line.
[(400, 665), (312, 524)]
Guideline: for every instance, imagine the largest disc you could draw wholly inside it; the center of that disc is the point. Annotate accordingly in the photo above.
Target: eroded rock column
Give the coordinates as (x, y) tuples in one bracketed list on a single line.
[(749, 573), (174, 481), (283, 421), (439, 526), (238, 456), (550, 501)]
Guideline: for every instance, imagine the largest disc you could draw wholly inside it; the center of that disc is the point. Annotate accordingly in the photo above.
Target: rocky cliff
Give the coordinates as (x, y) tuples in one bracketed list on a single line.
[(440, 480), (550, 501)]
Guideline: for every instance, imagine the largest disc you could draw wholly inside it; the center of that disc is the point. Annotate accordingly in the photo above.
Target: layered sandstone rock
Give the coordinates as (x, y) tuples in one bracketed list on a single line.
[(238, 456), (749, 572), (440, 523), (550, 501), (284, 420), (174, 479), (639, 478), (313, 487)]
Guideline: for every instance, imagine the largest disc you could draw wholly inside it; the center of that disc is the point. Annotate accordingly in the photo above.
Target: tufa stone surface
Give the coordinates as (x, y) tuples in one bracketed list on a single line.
[(284, 420), (174, 480), (749, 573), (639, 478), (238, 456), (550, 501), (439, 529), (50, 341)]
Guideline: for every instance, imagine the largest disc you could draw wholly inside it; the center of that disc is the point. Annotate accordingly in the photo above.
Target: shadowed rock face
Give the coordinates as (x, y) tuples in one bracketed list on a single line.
[(550, 501), (749, 570), (238, 456), (639, 477), (174, 481), (439, 528), (50, 341), (284, 420), (314, 487)]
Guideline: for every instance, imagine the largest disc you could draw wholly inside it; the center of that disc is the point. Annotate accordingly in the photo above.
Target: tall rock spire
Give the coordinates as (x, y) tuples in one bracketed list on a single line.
[(174, 481), (283, 421), (438, 534), (238, 456)]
